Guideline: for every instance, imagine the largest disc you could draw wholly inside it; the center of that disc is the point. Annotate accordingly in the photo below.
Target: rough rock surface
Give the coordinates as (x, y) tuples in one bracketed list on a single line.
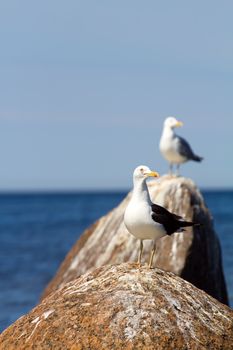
[(194, 254), (122, 307)]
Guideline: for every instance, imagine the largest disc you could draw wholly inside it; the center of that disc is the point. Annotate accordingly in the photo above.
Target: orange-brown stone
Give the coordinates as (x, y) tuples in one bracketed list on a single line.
[(123, 307)]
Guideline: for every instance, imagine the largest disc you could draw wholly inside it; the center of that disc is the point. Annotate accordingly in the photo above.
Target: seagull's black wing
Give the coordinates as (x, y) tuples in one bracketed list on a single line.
[(185, 150), (171, 222), (164, 212)]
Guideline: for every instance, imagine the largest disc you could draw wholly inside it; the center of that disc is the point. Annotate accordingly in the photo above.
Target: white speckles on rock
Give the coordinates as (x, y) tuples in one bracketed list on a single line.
[(85, 304), (36, 320), (46, 314), (131, 315), (136, 285)]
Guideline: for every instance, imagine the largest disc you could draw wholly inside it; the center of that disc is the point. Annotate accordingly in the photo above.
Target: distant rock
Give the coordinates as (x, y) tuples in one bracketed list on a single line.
[(194, 255), (121, 307)]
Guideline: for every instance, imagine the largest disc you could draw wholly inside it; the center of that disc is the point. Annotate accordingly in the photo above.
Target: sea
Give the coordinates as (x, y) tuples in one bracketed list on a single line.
[(37, 230)]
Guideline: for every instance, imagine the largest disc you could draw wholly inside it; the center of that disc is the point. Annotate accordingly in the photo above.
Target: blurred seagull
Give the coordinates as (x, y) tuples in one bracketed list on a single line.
[(146, 220), (174, 148)]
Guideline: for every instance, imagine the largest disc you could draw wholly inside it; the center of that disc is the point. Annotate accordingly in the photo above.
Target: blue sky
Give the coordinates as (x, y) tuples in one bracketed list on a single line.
[(85, 87)]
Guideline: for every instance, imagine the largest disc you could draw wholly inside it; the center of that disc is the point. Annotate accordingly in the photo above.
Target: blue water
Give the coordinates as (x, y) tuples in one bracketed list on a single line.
[(37, 231)]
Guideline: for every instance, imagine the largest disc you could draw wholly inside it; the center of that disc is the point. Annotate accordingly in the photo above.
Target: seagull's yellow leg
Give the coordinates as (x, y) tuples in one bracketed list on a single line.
[(152, 255), (140, 253)]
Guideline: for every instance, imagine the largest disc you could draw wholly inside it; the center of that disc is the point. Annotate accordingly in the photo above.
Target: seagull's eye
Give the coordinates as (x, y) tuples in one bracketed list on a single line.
[(141, 170)]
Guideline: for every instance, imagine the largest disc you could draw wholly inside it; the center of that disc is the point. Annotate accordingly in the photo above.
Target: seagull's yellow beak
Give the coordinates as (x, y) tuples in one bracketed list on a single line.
[(152, 174), (178, 124)]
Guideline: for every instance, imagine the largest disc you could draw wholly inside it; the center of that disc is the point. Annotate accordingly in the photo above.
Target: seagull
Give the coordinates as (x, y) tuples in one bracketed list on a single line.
[(174, 148), (146, 220)]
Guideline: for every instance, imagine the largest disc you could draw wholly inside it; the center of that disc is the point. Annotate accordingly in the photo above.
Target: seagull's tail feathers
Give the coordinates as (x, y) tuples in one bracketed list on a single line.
[(187, 223), (197, 158)]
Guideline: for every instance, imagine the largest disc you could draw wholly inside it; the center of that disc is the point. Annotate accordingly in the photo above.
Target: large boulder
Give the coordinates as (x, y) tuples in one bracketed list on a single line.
[(194, 254), (123, 307)]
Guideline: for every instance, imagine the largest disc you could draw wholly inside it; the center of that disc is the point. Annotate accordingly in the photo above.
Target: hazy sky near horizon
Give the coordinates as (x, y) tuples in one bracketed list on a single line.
[(85, 87)]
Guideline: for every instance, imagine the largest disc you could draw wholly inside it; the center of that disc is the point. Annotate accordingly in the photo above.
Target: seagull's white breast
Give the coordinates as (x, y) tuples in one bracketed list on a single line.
[(139, 222), (169, 148)]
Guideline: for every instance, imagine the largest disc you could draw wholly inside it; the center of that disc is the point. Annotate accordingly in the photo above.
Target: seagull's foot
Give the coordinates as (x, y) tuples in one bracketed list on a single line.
[(150, 265)]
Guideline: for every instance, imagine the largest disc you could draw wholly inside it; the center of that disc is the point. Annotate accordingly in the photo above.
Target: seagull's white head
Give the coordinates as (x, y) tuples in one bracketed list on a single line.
[(142, 172), (172, 122)]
